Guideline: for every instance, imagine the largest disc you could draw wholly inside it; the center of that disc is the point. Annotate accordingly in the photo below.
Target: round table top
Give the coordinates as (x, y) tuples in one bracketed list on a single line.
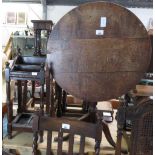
[(98, 51)]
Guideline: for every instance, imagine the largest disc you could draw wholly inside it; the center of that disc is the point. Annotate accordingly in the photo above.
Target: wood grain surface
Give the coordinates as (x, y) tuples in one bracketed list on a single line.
[(98, 67)]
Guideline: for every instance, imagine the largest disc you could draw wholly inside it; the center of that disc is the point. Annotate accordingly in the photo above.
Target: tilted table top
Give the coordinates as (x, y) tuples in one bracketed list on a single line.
[(98, 51)]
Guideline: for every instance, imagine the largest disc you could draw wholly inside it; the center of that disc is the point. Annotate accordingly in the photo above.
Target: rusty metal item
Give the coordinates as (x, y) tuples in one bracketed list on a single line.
[(98, 51)]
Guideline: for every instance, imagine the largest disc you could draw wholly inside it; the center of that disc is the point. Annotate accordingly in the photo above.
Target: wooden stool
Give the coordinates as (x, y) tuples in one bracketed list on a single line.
[(22, 73)]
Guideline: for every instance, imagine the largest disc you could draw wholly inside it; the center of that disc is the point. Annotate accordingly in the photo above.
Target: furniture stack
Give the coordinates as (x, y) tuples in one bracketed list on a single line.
[(24, 69)]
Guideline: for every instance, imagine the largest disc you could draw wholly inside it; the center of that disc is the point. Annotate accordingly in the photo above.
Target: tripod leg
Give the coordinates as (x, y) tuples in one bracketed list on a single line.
[(107, 133)]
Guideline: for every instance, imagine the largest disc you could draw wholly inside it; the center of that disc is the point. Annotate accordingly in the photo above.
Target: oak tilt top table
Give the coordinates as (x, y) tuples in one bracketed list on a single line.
[(98, 51)]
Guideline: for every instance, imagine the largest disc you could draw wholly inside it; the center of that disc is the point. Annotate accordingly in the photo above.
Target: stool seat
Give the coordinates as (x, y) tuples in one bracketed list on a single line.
[(27, 68), (30, 60)]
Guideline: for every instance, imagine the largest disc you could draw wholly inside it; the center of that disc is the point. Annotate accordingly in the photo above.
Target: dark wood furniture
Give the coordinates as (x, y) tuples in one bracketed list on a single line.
[(96, 54), (39, 26), (142, 129), (141, 117), (91, 116), (139, 114), (62, 105), (73, 127), (26, 68)]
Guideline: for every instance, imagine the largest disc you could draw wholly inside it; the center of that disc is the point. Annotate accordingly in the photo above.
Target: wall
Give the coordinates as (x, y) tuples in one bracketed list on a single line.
[(54, 13), (143, 14)]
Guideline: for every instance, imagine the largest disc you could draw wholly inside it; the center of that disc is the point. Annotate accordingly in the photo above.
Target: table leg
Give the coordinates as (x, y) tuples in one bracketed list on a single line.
[(33, 91), (108, 134), (9, 110), (25, 95), (19, 87), (48, 92)]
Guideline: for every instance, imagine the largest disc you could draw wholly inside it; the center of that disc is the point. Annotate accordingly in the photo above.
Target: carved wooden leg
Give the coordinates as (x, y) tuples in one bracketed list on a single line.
[(42, 99), (98, 138), (85, 106), (42, 109), (33, 91), (119, 139), (97, 147), (35, 144), (108, 134), (25, 95), (48, 92), (59, 96), (64, 96), (52, 109), (8, 101), (9, 110), (105, 128), (19, 87)]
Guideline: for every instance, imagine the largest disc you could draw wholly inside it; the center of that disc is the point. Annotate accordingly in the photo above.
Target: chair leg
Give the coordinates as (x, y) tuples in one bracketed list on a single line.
[(108, 134), (33, 90), (42, 99), (25, 95), (9, 110), (41, 134), (97, 147), (52, 109), (59, 97), (35, 144), (42, 109), (19, 86), (118, 144), (47, 76), (64, 96)]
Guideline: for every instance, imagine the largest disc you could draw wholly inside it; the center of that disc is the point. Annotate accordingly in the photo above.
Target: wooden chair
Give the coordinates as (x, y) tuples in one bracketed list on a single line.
[(141, 116), (73, 127)]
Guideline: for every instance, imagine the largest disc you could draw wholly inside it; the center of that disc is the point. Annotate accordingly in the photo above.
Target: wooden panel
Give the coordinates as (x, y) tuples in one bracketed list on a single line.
[(98, 67)]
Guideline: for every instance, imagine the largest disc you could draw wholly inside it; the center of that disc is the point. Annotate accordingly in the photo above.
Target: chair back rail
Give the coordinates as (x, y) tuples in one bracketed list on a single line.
[(73, 127)]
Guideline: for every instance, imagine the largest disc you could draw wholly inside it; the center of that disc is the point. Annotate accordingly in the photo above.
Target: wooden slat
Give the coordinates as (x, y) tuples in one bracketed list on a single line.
[(49, 142), (71, 144), (82, 145)]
